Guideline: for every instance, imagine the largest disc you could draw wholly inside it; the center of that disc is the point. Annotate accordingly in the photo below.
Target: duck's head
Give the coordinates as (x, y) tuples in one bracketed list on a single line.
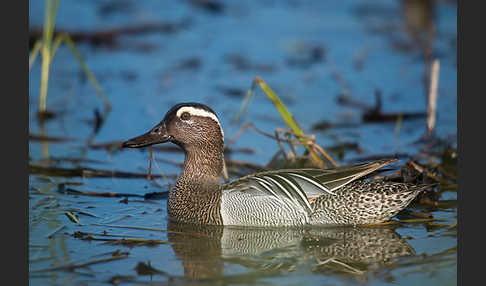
[(189, 125)]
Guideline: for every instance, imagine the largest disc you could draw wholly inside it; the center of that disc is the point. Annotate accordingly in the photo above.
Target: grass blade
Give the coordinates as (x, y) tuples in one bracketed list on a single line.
[(72, 217), (246, 100), (289, 119), (44, 77), (35, 51), (49, 21), (57, 42), (89, 74)]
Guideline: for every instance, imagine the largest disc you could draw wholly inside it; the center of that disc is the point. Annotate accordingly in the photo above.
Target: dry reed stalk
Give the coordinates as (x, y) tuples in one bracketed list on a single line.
[(433, 94)]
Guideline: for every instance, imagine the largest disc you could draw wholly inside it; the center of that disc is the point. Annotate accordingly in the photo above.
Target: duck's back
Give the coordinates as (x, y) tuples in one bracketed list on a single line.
[(362, 202)]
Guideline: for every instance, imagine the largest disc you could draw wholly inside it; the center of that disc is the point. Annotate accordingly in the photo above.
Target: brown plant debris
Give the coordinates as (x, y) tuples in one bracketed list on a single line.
[(147, 269), (87, 172), (116, 255), (130, 242), (36, 137), (109, 37), (375, 114), (242, 63)]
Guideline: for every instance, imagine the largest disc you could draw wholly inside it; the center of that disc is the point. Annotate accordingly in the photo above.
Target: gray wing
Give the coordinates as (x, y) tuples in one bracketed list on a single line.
[(298, 185), (334, 179)]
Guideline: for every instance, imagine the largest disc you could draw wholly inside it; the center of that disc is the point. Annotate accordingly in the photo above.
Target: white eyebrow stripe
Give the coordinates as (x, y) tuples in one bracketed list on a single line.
[(200, 112)]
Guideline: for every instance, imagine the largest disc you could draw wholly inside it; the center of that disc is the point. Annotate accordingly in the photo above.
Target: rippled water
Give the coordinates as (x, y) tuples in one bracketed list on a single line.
[(311, 53)]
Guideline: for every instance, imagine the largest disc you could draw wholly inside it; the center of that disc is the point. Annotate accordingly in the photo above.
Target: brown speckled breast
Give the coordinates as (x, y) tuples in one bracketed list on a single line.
[(198, 203)]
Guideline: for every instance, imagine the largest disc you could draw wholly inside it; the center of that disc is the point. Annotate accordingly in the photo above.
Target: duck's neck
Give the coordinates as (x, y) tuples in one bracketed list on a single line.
[(196, 196), (203, 166)]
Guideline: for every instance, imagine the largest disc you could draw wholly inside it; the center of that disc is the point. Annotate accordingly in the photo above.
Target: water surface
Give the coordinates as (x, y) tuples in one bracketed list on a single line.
[(312, 53)]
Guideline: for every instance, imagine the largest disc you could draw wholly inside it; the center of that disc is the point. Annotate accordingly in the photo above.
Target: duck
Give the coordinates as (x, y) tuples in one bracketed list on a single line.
[(275, 198)]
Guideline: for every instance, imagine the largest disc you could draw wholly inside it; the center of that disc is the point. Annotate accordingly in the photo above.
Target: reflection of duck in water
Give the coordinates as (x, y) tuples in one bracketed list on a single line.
[(294, 197), (204, 250)]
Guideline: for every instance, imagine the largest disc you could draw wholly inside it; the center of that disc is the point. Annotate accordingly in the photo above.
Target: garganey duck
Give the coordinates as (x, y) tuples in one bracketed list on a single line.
[(287, 197)]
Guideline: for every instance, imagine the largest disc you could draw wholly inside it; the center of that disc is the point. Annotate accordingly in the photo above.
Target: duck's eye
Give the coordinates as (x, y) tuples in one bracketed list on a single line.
[(185, 116)]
